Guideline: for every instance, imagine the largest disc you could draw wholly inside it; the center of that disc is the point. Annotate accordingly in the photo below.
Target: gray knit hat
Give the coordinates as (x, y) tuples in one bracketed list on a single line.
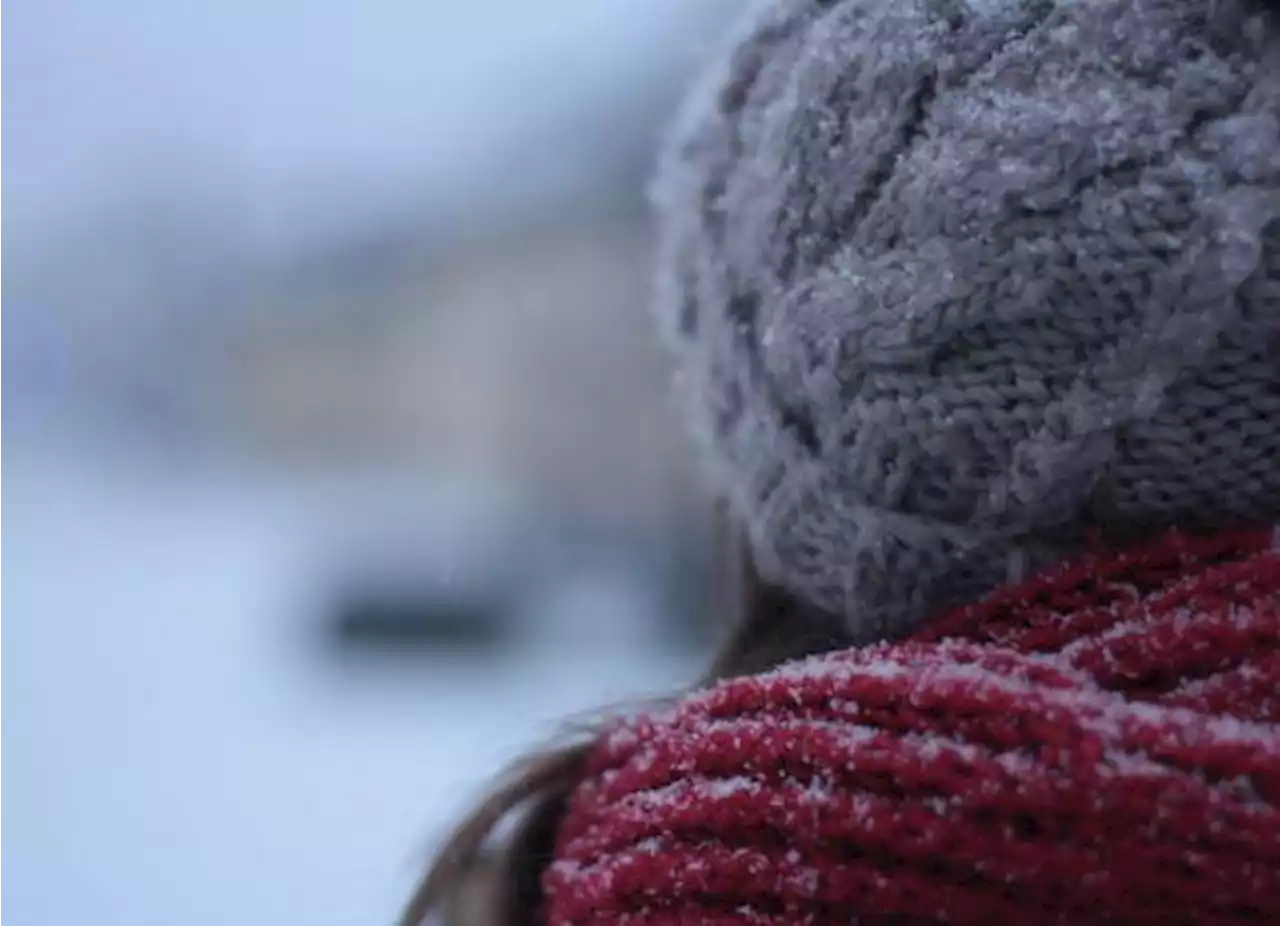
[(953, 283)]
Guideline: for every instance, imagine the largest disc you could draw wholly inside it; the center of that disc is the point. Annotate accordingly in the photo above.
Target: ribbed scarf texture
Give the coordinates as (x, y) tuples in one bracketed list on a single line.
[(1098, 744)]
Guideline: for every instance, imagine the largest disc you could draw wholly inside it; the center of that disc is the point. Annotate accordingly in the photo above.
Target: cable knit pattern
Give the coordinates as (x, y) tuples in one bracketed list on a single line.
[(1098, 744), (950, 281)]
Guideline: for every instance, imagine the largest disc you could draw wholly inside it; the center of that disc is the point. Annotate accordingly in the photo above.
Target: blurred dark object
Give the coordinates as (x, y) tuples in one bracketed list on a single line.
[(435, 560), (382, 617), (563, 584)]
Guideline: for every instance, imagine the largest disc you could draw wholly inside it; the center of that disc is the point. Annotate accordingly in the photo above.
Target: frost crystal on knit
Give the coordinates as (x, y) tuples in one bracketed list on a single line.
[(949, 282), (1098, 744)]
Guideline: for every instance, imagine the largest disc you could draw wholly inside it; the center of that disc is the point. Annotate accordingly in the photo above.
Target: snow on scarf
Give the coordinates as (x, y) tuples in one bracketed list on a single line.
[(1100, 743)]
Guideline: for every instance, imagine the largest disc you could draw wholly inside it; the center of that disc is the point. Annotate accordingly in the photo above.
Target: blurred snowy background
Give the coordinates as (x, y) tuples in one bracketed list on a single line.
[(340, 455)]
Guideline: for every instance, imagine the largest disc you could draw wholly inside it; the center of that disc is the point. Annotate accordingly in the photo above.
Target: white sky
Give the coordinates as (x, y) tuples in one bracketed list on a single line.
[(301, 115)]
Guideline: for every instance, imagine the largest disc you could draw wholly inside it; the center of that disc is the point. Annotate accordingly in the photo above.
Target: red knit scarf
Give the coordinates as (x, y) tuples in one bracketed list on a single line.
[(1099, 744)]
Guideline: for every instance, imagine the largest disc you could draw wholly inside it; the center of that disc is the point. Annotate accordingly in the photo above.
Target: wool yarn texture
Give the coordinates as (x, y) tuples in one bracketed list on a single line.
[(949, 284), (1100, 743)]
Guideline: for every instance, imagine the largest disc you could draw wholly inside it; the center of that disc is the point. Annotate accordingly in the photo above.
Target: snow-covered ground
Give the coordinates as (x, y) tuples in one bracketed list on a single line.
[(178, 749)]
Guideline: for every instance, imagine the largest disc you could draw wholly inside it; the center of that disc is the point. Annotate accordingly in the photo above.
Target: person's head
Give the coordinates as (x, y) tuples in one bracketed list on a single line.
[(953, 285)]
